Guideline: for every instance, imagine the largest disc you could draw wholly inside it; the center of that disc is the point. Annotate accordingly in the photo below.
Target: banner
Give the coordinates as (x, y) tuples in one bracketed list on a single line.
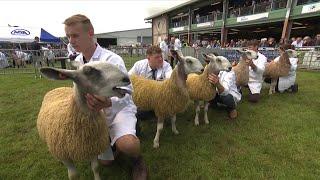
[(252, 17), (310, 8), (19, 34), (209, 24), (177, 29)]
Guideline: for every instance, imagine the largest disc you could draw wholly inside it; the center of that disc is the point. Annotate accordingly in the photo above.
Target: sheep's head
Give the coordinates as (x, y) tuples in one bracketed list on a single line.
[(292, 53), (99, 78), (190, 64), (217, 63), (248, 54)]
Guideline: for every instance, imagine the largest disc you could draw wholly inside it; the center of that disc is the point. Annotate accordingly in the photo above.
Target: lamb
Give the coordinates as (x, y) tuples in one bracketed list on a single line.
[(242, 68), (199, 87), (276, 69), (71, 131), (167, 97)]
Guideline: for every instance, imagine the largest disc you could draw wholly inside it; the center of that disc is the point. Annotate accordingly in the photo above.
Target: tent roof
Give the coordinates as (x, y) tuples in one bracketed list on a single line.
[(47, 37)]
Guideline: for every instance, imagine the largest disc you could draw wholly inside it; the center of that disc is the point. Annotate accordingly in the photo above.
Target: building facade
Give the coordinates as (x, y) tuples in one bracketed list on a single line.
[(229, 19)]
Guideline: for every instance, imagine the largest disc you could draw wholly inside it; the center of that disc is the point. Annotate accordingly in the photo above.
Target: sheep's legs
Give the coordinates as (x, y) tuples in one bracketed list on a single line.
[(273, 86), (95, 169), (72, 171), (173, 124), (206, 107), (196, 119), (159, 129)]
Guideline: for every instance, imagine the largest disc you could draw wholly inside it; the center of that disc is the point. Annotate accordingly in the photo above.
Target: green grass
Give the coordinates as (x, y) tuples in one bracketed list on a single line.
[(278, 138)]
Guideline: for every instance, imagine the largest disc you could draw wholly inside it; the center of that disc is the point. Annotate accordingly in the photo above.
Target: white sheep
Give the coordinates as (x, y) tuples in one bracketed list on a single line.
[(276, 69), (199, 87), (165, 98), (71, 131), (242, 68)]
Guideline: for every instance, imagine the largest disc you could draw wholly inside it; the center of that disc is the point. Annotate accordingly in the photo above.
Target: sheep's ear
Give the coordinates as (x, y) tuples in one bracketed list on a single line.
[(240, 51), (176, 55), (215, 53), (58, 74)]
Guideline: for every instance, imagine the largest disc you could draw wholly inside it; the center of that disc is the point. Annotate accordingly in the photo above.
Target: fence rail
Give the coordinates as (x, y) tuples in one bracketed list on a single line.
[(13, 61)]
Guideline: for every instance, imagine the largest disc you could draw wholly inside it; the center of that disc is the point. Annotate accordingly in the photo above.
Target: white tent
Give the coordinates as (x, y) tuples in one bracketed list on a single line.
[(25, 35), (19, 34)]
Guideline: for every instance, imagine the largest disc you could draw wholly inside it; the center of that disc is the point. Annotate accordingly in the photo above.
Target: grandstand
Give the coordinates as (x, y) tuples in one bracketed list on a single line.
[(232, 19)]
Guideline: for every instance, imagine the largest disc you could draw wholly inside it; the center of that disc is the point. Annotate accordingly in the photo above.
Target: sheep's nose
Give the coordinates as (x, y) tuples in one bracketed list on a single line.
[(229, 68), (202, 70), (126, 80)]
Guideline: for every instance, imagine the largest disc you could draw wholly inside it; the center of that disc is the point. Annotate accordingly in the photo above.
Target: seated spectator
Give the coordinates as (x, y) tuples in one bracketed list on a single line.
[(307, 41), (263, 42), (298, 42), (317, 40), (271, 42)]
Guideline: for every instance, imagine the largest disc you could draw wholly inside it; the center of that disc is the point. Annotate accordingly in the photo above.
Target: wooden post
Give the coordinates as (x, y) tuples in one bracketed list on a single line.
[(189, 24), (287, 25), (224, 30)]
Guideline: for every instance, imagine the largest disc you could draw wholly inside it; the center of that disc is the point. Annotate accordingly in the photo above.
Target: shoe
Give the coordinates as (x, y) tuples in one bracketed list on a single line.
[(139, 171), (294, 88), (109, 162), (233, 114)]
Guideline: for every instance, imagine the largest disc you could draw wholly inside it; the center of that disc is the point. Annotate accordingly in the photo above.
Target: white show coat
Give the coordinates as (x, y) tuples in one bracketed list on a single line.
[(256, 77)]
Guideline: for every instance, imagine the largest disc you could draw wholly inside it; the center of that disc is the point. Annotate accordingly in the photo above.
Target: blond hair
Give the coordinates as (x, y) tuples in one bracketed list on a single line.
[(79, 18), (152, 50)]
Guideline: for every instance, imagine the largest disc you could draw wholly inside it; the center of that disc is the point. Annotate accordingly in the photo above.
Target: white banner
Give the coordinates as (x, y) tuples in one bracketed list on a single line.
[(205, 24), (310, 8), (178, 29), (252, 17), (19, 34)]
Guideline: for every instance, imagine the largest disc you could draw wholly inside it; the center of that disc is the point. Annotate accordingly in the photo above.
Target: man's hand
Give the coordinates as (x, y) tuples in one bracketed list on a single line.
[(250, 63), (96, 103), (214, 79)]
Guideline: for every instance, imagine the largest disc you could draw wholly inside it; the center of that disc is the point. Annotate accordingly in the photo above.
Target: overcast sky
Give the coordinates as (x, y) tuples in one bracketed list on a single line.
[(106, 16)]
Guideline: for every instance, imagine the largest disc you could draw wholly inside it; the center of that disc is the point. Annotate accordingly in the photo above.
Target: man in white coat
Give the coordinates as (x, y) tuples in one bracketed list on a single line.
[(287, 83), (165, 49), (120, 112), (256, 69), (227, 91), (154, 67)]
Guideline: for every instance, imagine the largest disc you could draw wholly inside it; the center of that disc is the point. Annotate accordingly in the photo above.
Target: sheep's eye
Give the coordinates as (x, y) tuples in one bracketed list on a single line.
[(189, 61)]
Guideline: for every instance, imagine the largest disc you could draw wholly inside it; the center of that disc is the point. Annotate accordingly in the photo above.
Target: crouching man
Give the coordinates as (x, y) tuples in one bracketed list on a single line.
[(227, 92), (121, 119), (287, 83)]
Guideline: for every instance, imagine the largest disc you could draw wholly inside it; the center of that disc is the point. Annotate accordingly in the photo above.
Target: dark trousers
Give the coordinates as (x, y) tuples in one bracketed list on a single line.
[(142, 115), (227, 100)]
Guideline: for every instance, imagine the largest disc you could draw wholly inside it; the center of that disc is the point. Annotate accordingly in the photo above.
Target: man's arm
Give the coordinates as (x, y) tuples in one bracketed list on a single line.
[(133, 70), (167, 69)]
